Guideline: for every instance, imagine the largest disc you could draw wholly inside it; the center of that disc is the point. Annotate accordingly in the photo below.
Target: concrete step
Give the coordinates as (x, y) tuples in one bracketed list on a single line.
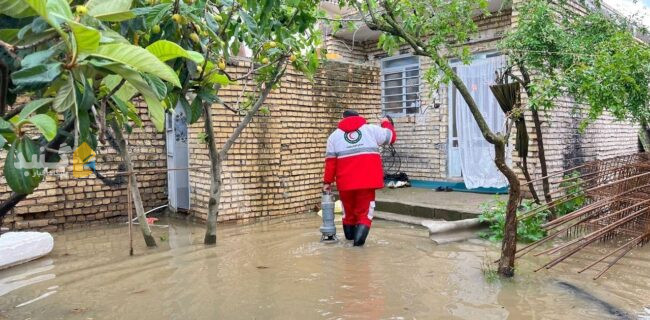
[(431, 204)]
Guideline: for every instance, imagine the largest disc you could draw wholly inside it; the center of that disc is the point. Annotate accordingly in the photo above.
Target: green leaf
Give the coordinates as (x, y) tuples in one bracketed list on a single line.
[(129, 110), (9, 35), (49, 10), (16, 8), (166, 50), (38, 6), (218, 78), (65, 97), (44, 124), (87, 38), (60, 8), (6, 132), (157, 85), (84, 128), (37, 76), (39, 57), (85, 99), (32, 106), (155, 107), (139, 59), (113, 10), (22, 169), (110, 36)]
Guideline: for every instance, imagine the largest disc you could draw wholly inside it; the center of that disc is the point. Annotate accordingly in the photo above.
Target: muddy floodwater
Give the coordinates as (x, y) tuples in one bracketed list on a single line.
[(278, 269)]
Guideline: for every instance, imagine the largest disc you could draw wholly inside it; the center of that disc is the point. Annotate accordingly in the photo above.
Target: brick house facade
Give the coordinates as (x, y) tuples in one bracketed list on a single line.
[(275, 168), (424, 135)]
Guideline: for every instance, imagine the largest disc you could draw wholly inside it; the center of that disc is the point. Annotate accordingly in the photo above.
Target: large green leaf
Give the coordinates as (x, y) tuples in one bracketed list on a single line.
[(39, 57), (65, 97), (36, 76), (86, 38), (7, 133), (16, 8), (139, 59), (113, 10), (110, 36), (22, 169), (32, 106), (9, 35), (52, 11), (157, 85), (38, 6), (155, 107), (45, 124), (166, 50), (59, 8), (125, 93)]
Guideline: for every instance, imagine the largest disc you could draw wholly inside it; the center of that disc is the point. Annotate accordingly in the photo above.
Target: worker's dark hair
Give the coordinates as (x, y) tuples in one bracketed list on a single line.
[(350, 113)]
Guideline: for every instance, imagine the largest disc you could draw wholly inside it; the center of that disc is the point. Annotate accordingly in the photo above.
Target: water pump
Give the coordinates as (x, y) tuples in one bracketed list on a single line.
[(328, 229)]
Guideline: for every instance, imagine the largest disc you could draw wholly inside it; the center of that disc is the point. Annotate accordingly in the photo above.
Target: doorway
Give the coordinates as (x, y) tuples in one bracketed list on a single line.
[(470, 156), (178, 178)]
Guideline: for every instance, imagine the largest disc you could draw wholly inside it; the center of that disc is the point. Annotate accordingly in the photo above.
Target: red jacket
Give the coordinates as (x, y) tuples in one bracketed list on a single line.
[(352, 158)]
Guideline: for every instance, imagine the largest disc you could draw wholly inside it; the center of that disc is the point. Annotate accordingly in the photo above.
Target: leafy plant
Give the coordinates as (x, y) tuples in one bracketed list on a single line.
[(574, 191), (528, 230), (77, 66)]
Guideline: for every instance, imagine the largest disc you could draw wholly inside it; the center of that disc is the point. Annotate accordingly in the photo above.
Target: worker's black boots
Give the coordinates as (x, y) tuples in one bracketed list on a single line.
[(360, 234), (349, 231)]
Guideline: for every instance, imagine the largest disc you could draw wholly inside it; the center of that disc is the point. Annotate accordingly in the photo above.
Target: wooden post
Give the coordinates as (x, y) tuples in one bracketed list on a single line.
[(130, 214)]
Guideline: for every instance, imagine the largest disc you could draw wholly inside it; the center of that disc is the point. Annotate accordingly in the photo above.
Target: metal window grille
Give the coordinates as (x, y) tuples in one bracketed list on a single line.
[(400, 85)]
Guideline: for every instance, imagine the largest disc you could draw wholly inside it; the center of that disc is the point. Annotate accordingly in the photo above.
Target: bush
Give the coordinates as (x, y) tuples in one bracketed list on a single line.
[(528, 230), (573, 186)]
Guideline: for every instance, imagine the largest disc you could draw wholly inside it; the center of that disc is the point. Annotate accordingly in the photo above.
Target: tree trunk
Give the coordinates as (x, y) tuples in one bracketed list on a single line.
[(135, 192), (531, 186), (644, 136), (542, 159), (546, 187), (217, 157), (509, 245), (215, 178)]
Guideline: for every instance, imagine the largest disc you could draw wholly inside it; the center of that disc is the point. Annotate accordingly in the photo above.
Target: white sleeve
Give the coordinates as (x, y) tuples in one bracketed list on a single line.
[(330, 152), (381, 135)]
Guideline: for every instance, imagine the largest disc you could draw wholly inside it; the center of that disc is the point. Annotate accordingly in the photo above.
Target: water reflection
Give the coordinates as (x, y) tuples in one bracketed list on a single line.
[(278, 269)]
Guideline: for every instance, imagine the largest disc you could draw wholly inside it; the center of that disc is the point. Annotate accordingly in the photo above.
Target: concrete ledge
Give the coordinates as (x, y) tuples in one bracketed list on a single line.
[(423, 212), (430, 204)]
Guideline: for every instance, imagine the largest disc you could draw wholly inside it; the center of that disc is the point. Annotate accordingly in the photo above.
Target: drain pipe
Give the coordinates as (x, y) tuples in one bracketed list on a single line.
[(150, 211)]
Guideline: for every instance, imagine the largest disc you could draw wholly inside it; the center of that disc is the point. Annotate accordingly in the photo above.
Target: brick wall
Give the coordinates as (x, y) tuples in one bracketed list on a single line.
[(62, 201), (276, 166)]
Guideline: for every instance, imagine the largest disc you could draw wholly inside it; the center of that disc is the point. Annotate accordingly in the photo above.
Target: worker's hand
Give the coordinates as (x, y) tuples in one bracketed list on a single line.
[(389, 119), (327, 187)]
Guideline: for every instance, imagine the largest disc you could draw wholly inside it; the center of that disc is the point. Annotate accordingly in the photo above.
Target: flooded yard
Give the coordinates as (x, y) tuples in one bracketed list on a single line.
[(279, 270)]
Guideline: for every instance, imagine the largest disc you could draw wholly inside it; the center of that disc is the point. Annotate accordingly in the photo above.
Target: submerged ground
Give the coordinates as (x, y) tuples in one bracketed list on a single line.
[(279, 270)]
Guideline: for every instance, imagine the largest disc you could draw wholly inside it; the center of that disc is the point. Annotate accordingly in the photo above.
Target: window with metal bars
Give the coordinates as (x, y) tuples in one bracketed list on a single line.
[(400, 85)]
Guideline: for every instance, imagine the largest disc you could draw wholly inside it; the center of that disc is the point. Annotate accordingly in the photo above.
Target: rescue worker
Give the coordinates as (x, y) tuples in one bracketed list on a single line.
[(353, 162)]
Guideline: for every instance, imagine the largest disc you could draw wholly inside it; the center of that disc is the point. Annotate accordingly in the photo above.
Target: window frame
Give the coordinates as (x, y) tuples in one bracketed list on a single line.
[(400, 111)]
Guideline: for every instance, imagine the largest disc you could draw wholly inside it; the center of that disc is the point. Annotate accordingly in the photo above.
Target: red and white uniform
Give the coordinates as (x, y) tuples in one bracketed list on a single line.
[(353, 162)]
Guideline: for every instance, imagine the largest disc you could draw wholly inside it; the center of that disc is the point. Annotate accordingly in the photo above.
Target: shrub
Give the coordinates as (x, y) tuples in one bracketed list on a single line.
[(573, 186), (528, 230)]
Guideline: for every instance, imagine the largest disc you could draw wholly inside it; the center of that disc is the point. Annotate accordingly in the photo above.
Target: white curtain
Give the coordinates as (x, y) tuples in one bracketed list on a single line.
[(476, 154)]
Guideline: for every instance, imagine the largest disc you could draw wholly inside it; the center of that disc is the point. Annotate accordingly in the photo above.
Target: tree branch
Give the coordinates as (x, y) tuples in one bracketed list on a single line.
[(268, 86)]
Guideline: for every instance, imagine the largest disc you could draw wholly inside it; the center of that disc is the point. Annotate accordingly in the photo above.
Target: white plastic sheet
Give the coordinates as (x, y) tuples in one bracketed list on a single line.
[(476, 154)]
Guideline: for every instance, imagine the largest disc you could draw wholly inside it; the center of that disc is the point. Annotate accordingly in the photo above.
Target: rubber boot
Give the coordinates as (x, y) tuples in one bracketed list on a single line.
[(361, 234), (349, 231)]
